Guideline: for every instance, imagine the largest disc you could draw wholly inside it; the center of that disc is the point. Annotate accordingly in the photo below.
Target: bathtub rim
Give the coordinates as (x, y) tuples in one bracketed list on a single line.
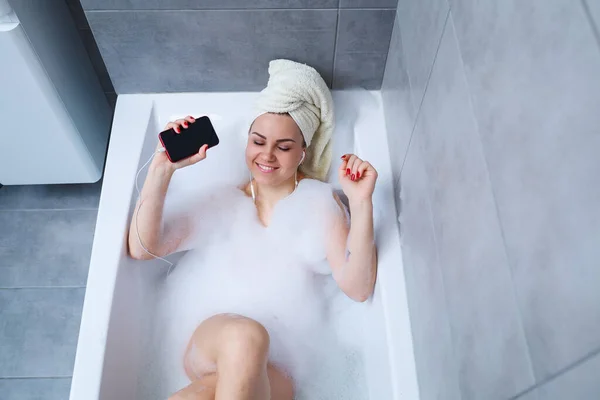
[(109, 248)]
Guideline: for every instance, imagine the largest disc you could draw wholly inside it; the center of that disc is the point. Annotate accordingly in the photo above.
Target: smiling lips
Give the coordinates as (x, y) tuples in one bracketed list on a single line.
[(265, 168)]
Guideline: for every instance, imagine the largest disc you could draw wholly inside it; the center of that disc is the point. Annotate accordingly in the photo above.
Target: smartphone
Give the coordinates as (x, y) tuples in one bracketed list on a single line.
[(180, 146)]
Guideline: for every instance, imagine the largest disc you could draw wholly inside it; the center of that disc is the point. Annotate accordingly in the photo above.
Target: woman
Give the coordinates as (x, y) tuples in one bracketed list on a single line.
[(240, 353)]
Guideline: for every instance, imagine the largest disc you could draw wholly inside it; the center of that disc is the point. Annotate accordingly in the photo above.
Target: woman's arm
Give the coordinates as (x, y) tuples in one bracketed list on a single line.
[(351, 249), (352, 253), (147, 220), (148, 214)]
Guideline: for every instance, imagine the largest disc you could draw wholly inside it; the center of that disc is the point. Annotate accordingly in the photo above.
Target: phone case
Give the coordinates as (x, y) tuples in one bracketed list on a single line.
[(160, 137)]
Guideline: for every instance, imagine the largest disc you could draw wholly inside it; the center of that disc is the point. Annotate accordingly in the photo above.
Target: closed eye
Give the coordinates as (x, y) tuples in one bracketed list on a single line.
[(262, 144)]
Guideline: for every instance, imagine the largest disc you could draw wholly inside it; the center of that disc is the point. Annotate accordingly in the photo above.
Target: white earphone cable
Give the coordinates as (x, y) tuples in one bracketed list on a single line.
[(137, 231)]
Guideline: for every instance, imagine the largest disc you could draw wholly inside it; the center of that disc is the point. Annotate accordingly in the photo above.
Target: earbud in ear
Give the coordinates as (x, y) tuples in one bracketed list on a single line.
[(303, 156)]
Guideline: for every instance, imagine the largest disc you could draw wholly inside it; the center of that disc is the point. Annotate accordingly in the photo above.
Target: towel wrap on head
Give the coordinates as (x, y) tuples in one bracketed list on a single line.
[(298, 90)]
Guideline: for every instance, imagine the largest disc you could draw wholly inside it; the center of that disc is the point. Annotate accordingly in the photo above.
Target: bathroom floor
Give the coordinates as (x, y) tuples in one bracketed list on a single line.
[(46, 235)]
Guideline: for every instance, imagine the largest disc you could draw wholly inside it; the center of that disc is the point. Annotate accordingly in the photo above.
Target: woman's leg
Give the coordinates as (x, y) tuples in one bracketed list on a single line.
[(202, 389), (234, 350)]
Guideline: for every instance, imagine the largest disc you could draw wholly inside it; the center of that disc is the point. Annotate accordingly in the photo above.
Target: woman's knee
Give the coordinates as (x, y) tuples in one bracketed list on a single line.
[(245, 335)]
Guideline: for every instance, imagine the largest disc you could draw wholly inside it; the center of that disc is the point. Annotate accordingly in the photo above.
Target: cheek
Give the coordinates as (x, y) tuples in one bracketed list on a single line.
[(289, 160), (251, 153)]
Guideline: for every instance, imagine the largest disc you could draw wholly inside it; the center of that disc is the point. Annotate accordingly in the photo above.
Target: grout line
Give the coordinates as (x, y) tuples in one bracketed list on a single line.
[(41, 287), (451, 331), (418, 111), (206, 9), (35, 377), (236, 9), (440, 270), (363, 9), (410, 89), (387, 54), (588, 13), (519, 311), (337, 36), (364, 52), (46, 209), (558, 373), (430, 210)]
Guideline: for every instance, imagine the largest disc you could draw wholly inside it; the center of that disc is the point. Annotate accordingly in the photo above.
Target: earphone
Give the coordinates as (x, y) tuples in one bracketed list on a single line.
[(137, 230), (302, 159)]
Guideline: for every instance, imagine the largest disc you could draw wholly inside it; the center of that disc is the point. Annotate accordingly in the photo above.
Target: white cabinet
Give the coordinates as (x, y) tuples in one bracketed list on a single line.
[(54, 117)]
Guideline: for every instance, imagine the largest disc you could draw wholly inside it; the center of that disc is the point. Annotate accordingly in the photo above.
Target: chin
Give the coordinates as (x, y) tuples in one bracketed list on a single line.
[(271, 179)]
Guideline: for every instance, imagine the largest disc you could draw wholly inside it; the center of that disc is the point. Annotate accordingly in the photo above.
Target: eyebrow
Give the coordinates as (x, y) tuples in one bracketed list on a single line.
[(277, 141)]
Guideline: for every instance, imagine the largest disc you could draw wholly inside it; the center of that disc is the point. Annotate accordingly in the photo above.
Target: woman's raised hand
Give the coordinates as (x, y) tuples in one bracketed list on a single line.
[(357, 178), (178, 126)]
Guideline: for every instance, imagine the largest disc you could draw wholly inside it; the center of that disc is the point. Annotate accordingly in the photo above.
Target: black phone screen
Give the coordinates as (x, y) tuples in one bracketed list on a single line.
[(187, 143)]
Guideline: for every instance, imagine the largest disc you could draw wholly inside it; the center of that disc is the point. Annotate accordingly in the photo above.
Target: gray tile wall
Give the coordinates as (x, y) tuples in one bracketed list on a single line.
[(593, 8), (207, 45), (580, 382), (46, 235), (494, 137), (92, 48)]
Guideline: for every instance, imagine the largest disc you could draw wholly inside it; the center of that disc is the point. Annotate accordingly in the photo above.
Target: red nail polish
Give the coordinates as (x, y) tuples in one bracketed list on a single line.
[(353, 177), (358, 175), (343, 157), (347, 171)]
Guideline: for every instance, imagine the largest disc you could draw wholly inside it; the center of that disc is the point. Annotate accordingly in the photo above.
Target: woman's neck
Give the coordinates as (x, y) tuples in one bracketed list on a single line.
[(269, 195)]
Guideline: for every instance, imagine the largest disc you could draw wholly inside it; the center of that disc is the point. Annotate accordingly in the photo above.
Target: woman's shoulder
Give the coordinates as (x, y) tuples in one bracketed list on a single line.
[(323, 193), (317, 185), (324, 188)]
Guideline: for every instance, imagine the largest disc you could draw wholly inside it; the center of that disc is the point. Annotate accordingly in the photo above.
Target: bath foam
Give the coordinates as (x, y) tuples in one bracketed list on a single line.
[(277, 276)]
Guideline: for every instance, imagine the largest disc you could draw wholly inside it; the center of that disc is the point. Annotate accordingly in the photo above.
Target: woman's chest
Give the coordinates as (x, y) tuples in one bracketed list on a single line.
[(292, 233)]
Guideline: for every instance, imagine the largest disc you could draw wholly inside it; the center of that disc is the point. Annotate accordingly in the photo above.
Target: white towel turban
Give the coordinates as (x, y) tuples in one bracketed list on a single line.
[(300, 91)]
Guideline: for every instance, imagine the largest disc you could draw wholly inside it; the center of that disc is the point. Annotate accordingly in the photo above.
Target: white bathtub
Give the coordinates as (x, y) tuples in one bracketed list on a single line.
[(107, 365)]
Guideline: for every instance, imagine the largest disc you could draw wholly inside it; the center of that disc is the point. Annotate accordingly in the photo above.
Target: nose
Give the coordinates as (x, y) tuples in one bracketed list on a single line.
[(269, 155)]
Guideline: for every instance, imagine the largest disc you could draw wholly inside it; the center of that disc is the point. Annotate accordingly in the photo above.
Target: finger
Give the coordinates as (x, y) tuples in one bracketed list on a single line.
[(190, 119), (196, 158), (371, 171), (362, 169), (172, 125), (355, 165), (200, 155), (183, 123), (342, 169), (350, 161), (202, 151), (350, 167)]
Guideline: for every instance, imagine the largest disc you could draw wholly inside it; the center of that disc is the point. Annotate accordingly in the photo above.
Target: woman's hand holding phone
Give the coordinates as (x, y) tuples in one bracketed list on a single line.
[(146, 227), (161, 158)]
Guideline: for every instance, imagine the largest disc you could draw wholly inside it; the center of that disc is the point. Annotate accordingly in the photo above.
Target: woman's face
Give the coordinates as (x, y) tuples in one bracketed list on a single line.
[(274, 148)]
